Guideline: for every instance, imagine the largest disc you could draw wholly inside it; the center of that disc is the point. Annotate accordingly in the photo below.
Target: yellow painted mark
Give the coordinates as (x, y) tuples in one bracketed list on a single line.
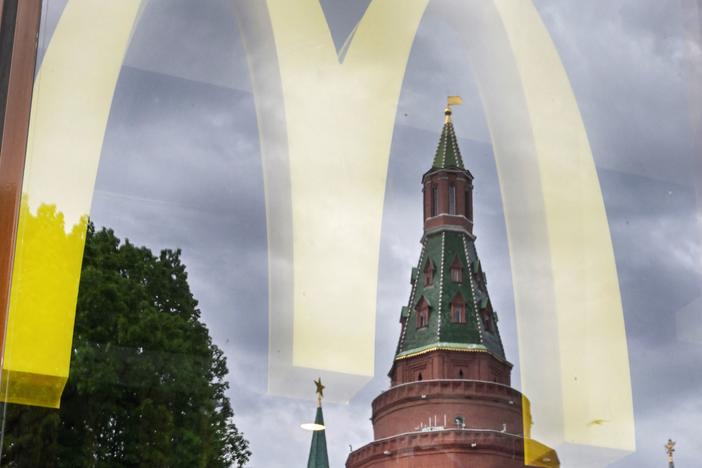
[(42, 307), (70, 106)]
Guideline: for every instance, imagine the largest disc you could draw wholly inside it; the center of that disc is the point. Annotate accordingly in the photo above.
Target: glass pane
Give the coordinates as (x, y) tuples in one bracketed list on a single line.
[(205, 181)]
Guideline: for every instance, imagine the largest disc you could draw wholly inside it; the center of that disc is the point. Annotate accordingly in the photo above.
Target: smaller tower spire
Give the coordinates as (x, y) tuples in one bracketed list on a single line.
[(318, 457), (447, 153), (670, 449)]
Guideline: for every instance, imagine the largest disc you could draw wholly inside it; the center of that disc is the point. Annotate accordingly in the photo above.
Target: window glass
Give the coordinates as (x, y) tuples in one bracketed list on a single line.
[(434, 201), (207, 237)]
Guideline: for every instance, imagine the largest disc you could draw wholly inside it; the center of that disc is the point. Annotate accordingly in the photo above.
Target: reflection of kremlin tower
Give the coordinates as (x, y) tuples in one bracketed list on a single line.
[(450, 403)]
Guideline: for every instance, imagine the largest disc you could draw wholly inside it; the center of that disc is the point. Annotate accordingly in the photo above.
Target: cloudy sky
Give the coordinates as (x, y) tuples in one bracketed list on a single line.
[(181, 167)]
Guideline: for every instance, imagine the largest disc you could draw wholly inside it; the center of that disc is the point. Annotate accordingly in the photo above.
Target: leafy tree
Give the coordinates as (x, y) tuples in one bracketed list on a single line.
[(146, 386)]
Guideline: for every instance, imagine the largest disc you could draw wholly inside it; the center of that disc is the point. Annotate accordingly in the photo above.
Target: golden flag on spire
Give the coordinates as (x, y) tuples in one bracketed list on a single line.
[(454, 101)]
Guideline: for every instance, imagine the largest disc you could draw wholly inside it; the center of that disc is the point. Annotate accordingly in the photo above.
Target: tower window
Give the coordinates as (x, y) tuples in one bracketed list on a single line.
[(422, 314), (429, 274), (434, 200), (452, 199), (458, 313), (456, 271), (468, 205), (486, 316), (423, 318), (458, 310)]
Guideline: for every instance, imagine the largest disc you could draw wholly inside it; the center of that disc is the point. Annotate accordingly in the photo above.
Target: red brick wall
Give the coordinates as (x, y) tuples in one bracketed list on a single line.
[(442, 364), (445, 449), (442, 180), (482, 405)]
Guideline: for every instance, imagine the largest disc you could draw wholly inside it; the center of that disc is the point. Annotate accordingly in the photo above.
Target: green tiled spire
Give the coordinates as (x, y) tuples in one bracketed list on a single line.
[(479, 330), (460, 313), (318, 450), (447, 153)]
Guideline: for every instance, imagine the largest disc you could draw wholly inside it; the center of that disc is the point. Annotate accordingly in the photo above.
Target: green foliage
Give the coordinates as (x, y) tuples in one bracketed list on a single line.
[(146, 386)]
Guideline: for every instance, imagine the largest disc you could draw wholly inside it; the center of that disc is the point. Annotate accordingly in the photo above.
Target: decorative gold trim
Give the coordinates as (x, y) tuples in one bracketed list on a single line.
[(440, 348)]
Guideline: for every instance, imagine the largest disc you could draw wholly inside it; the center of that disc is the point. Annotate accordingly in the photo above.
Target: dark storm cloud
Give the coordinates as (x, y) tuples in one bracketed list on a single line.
[(196, 40), (628, 61), (439, 67), (657, 247)]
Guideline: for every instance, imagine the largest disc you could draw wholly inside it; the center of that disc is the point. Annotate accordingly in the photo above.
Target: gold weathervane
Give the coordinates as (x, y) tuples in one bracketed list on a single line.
[(451, 101), (669, 449)]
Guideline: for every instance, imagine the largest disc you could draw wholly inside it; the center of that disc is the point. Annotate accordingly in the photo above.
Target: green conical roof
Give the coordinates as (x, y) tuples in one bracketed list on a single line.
[(478, 331), (447, 153), (446, 294), (318, 450)]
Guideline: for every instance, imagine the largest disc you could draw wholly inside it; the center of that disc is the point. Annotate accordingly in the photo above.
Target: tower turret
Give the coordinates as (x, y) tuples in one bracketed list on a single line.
[(448, 186), (450, 402), (449, 312)]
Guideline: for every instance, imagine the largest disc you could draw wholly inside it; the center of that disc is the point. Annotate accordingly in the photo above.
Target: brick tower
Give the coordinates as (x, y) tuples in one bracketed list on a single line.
[(450, 403)]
